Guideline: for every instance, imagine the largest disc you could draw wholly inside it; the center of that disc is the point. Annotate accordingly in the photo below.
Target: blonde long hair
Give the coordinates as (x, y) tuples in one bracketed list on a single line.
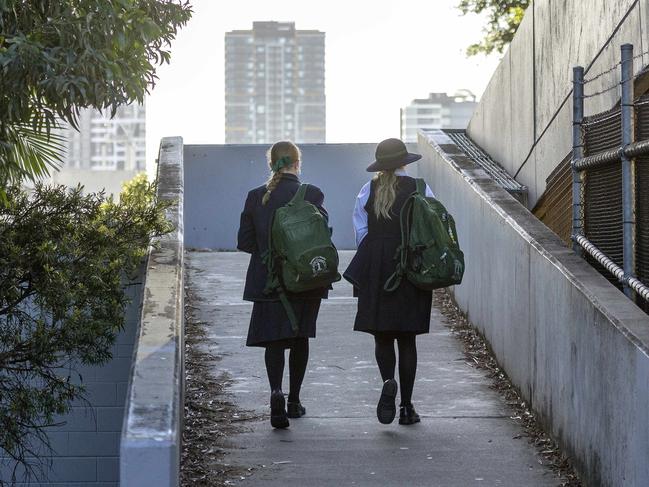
[(386, 193), (288, 155)]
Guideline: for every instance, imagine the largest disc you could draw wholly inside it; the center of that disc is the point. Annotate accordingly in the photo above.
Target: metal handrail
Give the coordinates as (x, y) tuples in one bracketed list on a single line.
[(633, 282), (612, 156)]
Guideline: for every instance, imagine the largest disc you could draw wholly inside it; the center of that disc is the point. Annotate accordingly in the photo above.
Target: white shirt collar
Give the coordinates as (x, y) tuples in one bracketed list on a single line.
[(400, 172)]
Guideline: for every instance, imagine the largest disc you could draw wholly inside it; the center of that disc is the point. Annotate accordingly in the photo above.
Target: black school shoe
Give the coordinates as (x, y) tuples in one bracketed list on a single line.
[(386, 409), (408, 415), (278, 417), (295, 410)]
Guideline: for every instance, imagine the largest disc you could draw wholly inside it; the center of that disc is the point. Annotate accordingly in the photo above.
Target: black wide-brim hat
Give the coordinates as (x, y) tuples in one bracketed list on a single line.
[(392, 154)]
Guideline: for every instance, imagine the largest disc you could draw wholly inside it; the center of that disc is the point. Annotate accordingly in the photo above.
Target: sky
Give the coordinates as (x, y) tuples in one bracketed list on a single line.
[(379, 55)]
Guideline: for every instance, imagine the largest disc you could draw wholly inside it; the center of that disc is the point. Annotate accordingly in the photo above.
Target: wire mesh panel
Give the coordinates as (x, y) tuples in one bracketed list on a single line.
[(642, 192), (603, 190), (611, 176), (491, 167)]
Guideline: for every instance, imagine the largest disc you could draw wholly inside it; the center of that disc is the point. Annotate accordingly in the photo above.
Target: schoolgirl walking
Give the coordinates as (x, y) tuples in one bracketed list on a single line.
[(280, 320), (400, 314)]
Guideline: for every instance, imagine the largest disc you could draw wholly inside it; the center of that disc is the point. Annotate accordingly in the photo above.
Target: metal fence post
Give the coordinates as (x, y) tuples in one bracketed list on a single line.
[(577, 152), (628, 170)]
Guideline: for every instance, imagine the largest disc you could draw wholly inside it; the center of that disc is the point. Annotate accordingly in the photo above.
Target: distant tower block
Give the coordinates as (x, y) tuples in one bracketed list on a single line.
[(438, 111), (107, 144), (274, 84)]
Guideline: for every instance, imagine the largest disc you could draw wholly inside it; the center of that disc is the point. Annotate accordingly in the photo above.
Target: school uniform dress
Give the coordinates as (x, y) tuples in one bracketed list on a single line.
[(406, 309), (269, 321)]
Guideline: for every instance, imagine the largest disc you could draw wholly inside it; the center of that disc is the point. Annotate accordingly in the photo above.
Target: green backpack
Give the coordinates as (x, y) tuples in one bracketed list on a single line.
[(301, 256), (429, 255)]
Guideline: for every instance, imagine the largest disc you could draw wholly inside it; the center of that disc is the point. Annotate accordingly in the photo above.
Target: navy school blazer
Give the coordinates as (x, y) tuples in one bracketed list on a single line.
[(253, 233)]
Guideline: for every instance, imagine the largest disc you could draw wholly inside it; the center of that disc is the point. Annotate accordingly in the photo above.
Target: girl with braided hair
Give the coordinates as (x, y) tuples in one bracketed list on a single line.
[(270, 326)]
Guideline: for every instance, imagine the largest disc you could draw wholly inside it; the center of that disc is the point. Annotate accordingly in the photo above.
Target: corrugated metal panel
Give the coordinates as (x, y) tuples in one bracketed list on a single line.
[(554, 208)]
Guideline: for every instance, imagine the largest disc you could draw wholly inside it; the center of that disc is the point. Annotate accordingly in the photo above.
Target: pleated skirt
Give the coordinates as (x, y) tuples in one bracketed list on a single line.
[(404, 310), (269, 321)]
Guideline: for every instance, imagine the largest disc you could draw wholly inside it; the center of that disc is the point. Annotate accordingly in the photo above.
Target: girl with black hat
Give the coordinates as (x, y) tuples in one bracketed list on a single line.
[(390, 316), (270, 326)]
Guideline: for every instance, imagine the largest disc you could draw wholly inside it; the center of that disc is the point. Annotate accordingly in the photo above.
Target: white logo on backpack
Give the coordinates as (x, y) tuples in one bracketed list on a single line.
[(318, 265)]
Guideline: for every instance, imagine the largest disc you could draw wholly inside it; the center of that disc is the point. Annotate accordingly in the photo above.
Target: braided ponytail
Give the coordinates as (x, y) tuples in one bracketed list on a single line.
[(281, 155), (271, 184)]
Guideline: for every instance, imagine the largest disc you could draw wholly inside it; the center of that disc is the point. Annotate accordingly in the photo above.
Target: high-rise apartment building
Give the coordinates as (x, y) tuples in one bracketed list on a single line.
[(438, 111), (108, 144), (104, 152), (274, 84)]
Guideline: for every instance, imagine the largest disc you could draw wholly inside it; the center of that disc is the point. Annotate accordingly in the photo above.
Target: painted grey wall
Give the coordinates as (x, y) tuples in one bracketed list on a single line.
[(535, 77), (218, 178), (86, 445), (575, 346)]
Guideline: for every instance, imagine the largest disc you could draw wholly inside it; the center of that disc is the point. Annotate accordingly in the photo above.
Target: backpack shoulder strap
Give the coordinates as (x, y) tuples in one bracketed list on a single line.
[(301, 193), (401, 256), (421, 186), (273, 281)]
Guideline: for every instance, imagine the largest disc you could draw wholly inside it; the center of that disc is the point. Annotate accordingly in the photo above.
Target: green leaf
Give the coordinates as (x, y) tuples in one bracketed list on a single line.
[(62, 294), (504, 17), (30, 151), (57, 57)]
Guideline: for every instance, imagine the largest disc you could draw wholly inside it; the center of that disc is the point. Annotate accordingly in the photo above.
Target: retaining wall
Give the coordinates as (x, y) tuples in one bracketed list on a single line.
[(86, 444), (573, 344)]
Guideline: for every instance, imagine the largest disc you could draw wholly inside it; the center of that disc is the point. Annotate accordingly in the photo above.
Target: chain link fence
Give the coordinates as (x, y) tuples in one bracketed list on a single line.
[(602, 190), (610, 178)]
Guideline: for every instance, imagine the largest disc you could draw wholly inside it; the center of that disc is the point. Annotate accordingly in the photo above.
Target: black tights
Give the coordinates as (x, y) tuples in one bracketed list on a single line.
[(386, 359), (297, 360)]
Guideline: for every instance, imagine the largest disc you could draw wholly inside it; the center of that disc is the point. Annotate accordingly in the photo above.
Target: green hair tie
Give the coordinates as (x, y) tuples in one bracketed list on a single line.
[(281, 162)]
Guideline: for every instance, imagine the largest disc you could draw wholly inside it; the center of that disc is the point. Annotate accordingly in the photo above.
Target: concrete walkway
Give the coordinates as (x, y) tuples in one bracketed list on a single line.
[(465, 438)]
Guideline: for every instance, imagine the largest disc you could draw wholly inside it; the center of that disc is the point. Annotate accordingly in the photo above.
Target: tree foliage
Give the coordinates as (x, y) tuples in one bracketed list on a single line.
[(59, 56), (504, 19), (65, 263)]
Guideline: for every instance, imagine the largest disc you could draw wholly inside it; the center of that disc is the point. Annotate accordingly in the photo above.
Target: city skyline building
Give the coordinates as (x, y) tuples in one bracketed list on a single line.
[(105, 152), (103, 143), (274, 84), (438, 111)]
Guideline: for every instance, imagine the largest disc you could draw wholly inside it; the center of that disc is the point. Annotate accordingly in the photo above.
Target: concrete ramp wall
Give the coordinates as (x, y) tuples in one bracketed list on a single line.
[(218, 178), (524, 119), (572, 343)]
